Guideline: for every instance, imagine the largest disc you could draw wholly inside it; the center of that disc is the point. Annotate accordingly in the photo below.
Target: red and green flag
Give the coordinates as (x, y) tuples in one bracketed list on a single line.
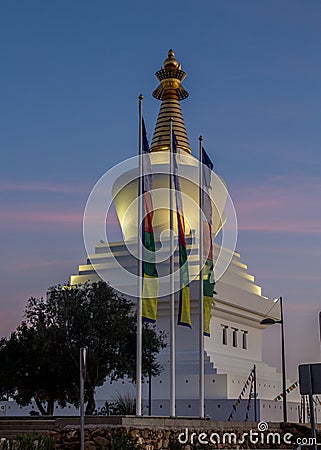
[(184, 310), (150, 281)]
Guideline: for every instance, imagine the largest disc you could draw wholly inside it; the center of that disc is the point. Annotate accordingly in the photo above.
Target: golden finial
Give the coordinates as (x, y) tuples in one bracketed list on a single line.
[(170, 91), (171, 63), (170, 77)]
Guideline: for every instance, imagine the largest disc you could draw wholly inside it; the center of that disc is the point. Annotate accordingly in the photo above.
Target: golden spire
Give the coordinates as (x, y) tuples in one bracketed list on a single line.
[(170, 91)]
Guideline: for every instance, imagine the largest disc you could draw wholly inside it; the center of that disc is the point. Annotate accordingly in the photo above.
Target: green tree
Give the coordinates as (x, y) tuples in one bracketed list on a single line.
[(40, 359)]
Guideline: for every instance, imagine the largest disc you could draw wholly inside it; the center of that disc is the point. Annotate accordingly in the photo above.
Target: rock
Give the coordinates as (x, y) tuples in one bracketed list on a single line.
[(165, 443), (88, 433), (90, 445), (101, 441), (96, 432), (71, 446), (136, 433), (71, 435)]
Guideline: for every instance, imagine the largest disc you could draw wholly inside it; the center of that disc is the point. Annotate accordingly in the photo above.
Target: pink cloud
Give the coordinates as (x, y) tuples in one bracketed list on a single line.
[(280, 205), (31, 265), (313, 308), (292, 277), (283, 250), (20, 218), (286, 227), (43, 187), (33, 219), (8, 322)]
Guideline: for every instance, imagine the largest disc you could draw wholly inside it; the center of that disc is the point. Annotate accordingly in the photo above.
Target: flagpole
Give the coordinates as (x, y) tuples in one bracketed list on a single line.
[(140, 269), (172, 286), (201, 293)]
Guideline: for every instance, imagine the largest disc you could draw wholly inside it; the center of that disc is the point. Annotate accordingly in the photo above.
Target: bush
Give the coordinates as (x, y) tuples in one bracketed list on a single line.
[(121, 440), (120, 406), (29, 441)]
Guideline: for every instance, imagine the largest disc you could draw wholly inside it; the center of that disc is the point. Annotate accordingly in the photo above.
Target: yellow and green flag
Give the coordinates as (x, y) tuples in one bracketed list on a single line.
[(150, 282), (184, 310)]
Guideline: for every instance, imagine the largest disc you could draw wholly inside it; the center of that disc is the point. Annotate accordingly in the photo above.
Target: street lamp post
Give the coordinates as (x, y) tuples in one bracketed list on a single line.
[(83, 370), (269, 321)]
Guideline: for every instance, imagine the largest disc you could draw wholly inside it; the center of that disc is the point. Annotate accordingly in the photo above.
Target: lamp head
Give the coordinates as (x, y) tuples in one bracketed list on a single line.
[(268, 321)]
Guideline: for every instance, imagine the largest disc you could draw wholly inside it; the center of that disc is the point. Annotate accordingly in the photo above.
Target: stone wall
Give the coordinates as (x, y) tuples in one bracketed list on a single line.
[(228, 436), (160, 433)]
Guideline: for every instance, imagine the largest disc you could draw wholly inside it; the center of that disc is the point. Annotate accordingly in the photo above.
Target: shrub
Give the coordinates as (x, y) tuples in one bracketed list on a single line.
[(28, 441), (120, 406), (121, 440)]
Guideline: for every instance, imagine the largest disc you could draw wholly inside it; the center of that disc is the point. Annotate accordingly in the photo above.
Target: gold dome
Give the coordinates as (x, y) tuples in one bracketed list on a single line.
[(171, 63)]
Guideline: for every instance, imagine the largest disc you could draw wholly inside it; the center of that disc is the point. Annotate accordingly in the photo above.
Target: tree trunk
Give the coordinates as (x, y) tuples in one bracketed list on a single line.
[(50, 407), (91, 404), (40, 407)]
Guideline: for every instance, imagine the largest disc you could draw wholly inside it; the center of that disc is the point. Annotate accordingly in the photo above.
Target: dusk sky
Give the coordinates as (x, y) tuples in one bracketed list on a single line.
[(71, 72)]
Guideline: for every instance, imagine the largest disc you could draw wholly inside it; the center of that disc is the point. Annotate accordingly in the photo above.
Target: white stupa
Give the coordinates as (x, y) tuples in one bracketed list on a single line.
[(235, 343)]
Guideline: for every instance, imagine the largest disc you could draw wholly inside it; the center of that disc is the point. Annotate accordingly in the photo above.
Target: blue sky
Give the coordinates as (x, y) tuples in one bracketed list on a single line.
[(71, 73)]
